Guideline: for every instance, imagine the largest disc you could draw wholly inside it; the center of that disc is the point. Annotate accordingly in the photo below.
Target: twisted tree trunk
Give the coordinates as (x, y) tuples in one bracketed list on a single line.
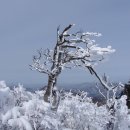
[(50, 86)]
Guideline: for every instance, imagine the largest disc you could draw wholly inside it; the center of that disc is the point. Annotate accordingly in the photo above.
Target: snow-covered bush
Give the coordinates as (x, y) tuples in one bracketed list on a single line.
[(23, 110), (78, 112), (21, 95), (6, 98), (122, 118)]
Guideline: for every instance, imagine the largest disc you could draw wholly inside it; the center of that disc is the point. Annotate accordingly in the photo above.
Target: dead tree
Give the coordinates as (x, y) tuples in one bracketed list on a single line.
[(71, 50)]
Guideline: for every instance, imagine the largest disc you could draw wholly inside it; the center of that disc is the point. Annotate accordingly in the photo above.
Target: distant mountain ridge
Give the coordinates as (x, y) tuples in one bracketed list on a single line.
[(90, 87)]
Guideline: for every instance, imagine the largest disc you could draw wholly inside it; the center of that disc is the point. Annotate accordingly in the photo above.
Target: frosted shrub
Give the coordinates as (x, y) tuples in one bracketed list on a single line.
[(6, 98), (75, 112), (21, 95), (121, 115), (78, 112)]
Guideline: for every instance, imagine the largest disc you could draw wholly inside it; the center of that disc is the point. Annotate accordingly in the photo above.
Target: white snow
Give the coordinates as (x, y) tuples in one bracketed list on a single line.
[(74, 112)]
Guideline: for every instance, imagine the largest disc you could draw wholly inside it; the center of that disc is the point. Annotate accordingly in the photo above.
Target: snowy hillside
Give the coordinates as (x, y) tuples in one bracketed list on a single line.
[(23, 110)]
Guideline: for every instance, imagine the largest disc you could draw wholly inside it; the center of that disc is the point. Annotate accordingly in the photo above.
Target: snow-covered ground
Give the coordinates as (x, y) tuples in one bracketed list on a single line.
[(23, 110)]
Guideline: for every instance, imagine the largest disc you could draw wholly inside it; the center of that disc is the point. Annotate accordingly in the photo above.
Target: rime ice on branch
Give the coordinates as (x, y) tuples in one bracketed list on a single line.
[(71, 50)]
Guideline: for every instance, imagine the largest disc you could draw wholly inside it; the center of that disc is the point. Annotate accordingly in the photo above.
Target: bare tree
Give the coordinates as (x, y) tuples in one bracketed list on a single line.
[(113, 92), (71, 50)]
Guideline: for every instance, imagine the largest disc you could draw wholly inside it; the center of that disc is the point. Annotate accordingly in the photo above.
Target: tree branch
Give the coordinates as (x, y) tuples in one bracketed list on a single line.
[(92, 71)]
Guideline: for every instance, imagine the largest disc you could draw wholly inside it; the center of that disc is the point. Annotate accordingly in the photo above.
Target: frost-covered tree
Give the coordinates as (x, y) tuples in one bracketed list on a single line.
[(113, 95), (77, 49)]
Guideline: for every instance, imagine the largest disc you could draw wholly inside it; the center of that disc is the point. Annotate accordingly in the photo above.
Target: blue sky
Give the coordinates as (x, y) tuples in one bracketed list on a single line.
[(28, 25)]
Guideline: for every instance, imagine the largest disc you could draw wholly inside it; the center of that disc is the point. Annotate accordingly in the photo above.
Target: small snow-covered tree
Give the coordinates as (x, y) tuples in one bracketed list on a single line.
[(115, 102), (71, 50)]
